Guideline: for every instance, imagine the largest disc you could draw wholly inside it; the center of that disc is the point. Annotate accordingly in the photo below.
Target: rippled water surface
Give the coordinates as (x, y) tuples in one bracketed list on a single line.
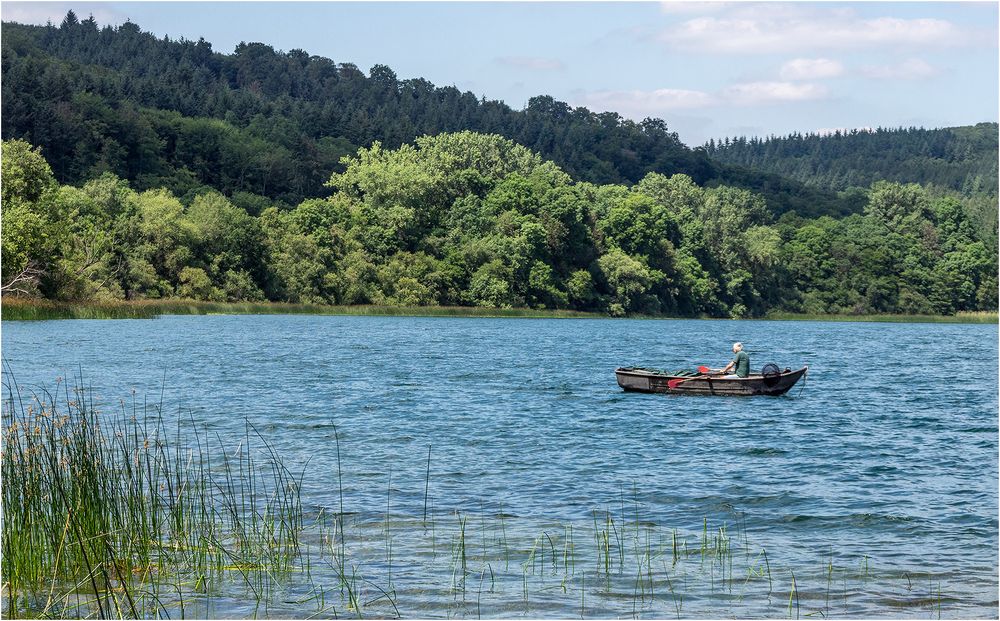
[(875, 483)]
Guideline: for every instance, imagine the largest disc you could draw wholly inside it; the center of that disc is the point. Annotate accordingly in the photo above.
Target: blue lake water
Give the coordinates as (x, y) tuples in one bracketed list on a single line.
[(876, 478)]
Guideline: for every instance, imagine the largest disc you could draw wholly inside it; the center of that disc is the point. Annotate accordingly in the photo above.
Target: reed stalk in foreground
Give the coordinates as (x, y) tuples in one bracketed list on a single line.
[(102, 515)]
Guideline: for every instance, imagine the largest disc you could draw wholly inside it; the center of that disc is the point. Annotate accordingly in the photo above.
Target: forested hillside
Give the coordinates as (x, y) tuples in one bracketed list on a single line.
[(962, 159), (473, 219), (261, 126), (137, 167)]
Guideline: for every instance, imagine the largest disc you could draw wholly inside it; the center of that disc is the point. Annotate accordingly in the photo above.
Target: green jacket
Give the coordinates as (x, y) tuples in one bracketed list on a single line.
[(742, 361)]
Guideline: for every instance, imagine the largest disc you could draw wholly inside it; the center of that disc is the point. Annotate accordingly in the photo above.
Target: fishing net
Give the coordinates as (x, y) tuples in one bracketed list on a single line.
[(771, 373)]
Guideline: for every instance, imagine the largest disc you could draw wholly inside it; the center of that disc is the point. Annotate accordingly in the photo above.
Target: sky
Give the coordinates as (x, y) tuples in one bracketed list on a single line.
[(709, 69)]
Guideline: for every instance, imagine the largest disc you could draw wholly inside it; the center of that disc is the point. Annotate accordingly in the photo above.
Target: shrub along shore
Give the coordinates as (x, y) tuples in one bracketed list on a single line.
[(27, 309), (475, 220)]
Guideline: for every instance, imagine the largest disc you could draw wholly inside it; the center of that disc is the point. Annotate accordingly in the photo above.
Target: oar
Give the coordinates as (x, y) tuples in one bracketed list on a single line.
[(674, 383)]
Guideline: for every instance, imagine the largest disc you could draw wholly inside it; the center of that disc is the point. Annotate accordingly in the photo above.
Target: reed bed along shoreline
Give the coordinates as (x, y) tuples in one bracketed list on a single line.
[(31, 309), (960, 317), (20, 309), (118, 514)]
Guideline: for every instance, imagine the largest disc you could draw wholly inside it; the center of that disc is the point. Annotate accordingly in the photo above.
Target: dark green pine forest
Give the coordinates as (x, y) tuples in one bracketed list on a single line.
[(136, 167), (963, 159)]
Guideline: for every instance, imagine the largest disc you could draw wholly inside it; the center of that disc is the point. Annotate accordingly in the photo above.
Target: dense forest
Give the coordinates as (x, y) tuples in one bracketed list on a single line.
[(962, 159), (263, 124), (474, 219), (956, 160), (136, 167)]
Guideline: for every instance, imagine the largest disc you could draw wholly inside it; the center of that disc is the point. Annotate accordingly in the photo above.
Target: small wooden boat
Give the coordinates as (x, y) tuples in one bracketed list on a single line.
[(637, 379)]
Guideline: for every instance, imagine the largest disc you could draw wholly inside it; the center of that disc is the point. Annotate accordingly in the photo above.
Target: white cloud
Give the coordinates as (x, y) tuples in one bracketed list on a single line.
[(911, 69), (532, 63), (811, 69), (751, 93), (770, 28), (639, 103)]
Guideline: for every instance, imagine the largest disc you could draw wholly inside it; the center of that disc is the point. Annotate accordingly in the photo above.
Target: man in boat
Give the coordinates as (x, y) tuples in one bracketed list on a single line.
[(740, 364)]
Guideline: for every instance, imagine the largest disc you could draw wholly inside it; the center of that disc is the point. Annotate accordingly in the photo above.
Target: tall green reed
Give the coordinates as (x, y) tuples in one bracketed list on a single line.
[(105, 514)]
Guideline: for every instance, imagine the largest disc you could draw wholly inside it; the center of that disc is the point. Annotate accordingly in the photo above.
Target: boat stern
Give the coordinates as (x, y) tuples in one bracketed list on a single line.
[(631, 381)]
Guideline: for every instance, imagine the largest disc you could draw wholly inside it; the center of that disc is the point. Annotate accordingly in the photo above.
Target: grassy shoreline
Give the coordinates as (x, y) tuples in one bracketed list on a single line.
[(25, 309), (961, 317)]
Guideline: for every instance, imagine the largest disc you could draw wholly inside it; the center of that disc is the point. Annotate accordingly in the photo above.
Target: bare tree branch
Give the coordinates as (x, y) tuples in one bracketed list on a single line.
[(28, 276)]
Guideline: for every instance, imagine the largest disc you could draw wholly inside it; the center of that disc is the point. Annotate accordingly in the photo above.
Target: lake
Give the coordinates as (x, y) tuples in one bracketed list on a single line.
[(551, 492)]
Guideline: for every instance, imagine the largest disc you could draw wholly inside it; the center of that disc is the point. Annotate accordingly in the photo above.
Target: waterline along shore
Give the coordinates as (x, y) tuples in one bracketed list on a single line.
[(28, 309)]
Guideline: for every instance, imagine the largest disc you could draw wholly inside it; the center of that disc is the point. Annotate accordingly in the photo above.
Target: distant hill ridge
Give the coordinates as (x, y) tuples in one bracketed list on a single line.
[(265, 124), (963, 159)]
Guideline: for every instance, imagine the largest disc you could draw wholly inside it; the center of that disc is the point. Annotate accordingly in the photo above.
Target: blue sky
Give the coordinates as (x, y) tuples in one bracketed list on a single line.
[(709, 69)]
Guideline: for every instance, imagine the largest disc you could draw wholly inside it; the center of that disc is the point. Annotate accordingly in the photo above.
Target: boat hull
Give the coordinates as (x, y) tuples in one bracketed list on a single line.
[(643, 380)]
